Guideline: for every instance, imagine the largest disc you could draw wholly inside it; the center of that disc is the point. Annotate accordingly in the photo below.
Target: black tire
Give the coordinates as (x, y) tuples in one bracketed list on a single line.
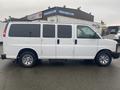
[(28, 59), (103, 58)]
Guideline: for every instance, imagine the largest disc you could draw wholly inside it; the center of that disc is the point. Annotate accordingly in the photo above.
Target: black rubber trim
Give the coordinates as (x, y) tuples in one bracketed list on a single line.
[(3, 56), (117, 47), (115, 55)]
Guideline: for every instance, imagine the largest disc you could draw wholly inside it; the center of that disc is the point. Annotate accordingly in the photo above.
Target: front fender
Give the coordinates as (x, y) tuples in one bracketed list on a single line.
[(107, 44)]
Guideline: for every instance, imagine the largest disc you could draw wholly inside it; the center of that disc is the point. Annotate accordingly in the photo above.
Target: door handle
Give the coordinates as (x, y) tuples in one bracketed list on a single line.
[(75, 41), (58, 41)]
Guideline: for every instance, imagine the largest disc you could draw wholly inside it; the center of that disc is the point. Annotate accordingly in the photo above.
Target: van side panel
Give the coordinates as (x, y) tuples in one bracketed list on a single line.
[(14, 45), (15, 41)]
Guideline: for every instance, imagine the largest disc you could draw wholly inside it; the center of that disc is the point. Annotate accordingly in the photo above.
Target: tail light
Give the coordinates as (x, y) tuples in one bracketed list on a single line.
[(4, 32)]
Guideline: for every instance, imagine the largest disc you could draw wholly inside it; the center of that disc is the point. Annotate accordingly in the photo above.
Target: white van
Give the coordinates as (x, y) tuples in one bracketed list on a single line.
[(29, 42)]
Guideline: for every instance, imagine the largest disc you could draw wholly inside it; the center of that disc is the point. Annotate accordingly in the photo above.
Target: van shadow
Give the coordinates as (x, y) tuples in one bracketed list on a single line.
[(10, 65), (54, 63)]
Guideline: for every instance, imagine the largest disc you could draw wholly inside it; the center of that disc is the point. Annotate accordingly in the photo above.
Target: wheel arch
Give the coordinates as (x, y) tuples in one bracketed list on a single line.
[(105, 50), (27, 49)]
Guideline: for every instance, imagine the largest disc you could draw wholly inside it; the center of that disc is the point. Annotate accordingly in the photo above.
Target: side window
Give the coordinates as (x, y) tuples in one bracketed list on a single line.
[(24, 30), (64, 31), (85, 32), (48, 31)]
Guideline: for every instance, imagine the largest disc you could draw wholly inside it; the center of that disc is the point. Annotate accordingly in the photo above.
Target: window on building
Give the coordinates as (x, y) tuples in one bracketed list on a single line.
[(48, 31), (24, 30), (64, 31)]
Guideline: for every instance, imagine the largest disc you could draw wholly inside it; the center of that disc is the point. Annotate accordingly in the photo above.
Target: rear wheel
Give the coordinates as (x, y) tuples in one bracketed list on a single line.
[(28, 59), (103, 58)]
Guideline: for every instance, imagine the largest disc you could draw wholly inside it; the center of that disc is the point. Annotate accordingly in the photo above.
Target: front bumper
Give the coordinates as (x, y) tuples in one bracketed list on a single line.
[(116, 54), (118, 40)]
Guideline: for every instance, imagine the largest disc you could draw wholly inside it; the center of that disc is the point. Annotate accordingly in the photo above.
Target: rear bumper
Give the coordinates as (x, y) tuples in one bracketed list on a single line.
[(3, 56)]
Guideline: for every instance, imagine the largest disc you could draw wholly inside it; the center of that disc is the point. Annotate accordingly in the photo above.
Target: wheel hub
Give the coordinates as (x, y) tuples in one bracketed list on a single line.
[(104, 59), (27, 59)]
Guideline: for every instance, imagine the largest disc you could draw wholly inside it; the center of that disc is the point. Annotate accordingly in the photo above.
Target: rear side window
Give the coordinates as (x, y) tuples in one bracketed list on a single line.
[(48, 31), (64, 31), (24, 30)]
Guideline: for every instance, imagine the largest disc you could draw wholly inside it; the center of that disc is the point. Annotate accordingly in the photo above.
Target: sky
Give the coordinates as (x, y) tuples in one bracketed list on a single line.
[(105, 10)]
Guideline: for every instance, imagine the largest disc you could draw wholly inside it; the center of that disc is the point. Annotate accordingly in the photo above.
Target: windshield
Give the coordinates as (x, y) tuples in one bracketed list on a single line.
[(113, 29)]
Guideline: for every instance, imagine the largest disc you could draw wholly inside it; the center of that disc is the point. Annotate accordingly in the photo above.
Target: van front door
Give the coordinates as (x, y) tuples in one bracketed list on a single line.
[(86, 42), (65, 42), (48, 41)]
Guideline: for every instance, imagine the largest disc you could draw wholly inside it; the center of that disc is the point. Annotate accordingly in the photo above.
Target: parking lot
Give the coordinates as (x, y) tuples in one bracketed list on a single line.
[(72, 75)]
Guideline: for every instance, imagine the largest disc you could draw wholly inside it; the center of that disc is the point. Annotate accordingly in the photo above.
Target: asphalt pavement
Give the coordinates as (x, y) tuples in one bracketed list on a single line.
[(72, 75)]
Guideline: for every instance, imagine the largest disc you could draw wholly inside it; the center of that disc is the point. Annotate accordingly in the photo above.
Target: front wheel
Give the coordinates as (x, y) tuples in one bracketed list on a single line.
[(103, 59), (28, 59)]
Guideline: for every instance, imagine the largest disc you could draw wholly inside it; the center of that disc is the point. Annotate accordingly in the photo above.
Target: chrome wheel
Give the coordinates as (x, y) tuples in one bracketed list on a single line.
[(27, 59), (104, 59)]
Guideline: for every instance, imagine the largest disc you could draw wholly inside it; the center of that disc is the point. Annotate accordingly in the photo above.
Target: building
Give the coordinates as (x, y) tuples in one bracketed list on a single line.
[(58, 14)]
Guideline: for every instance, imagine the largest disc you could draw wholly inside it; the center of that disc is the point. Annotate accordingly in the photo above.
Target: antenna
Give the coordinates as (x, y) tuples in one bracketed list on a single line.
[(49, 7), (79, 8), (64, 6)]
